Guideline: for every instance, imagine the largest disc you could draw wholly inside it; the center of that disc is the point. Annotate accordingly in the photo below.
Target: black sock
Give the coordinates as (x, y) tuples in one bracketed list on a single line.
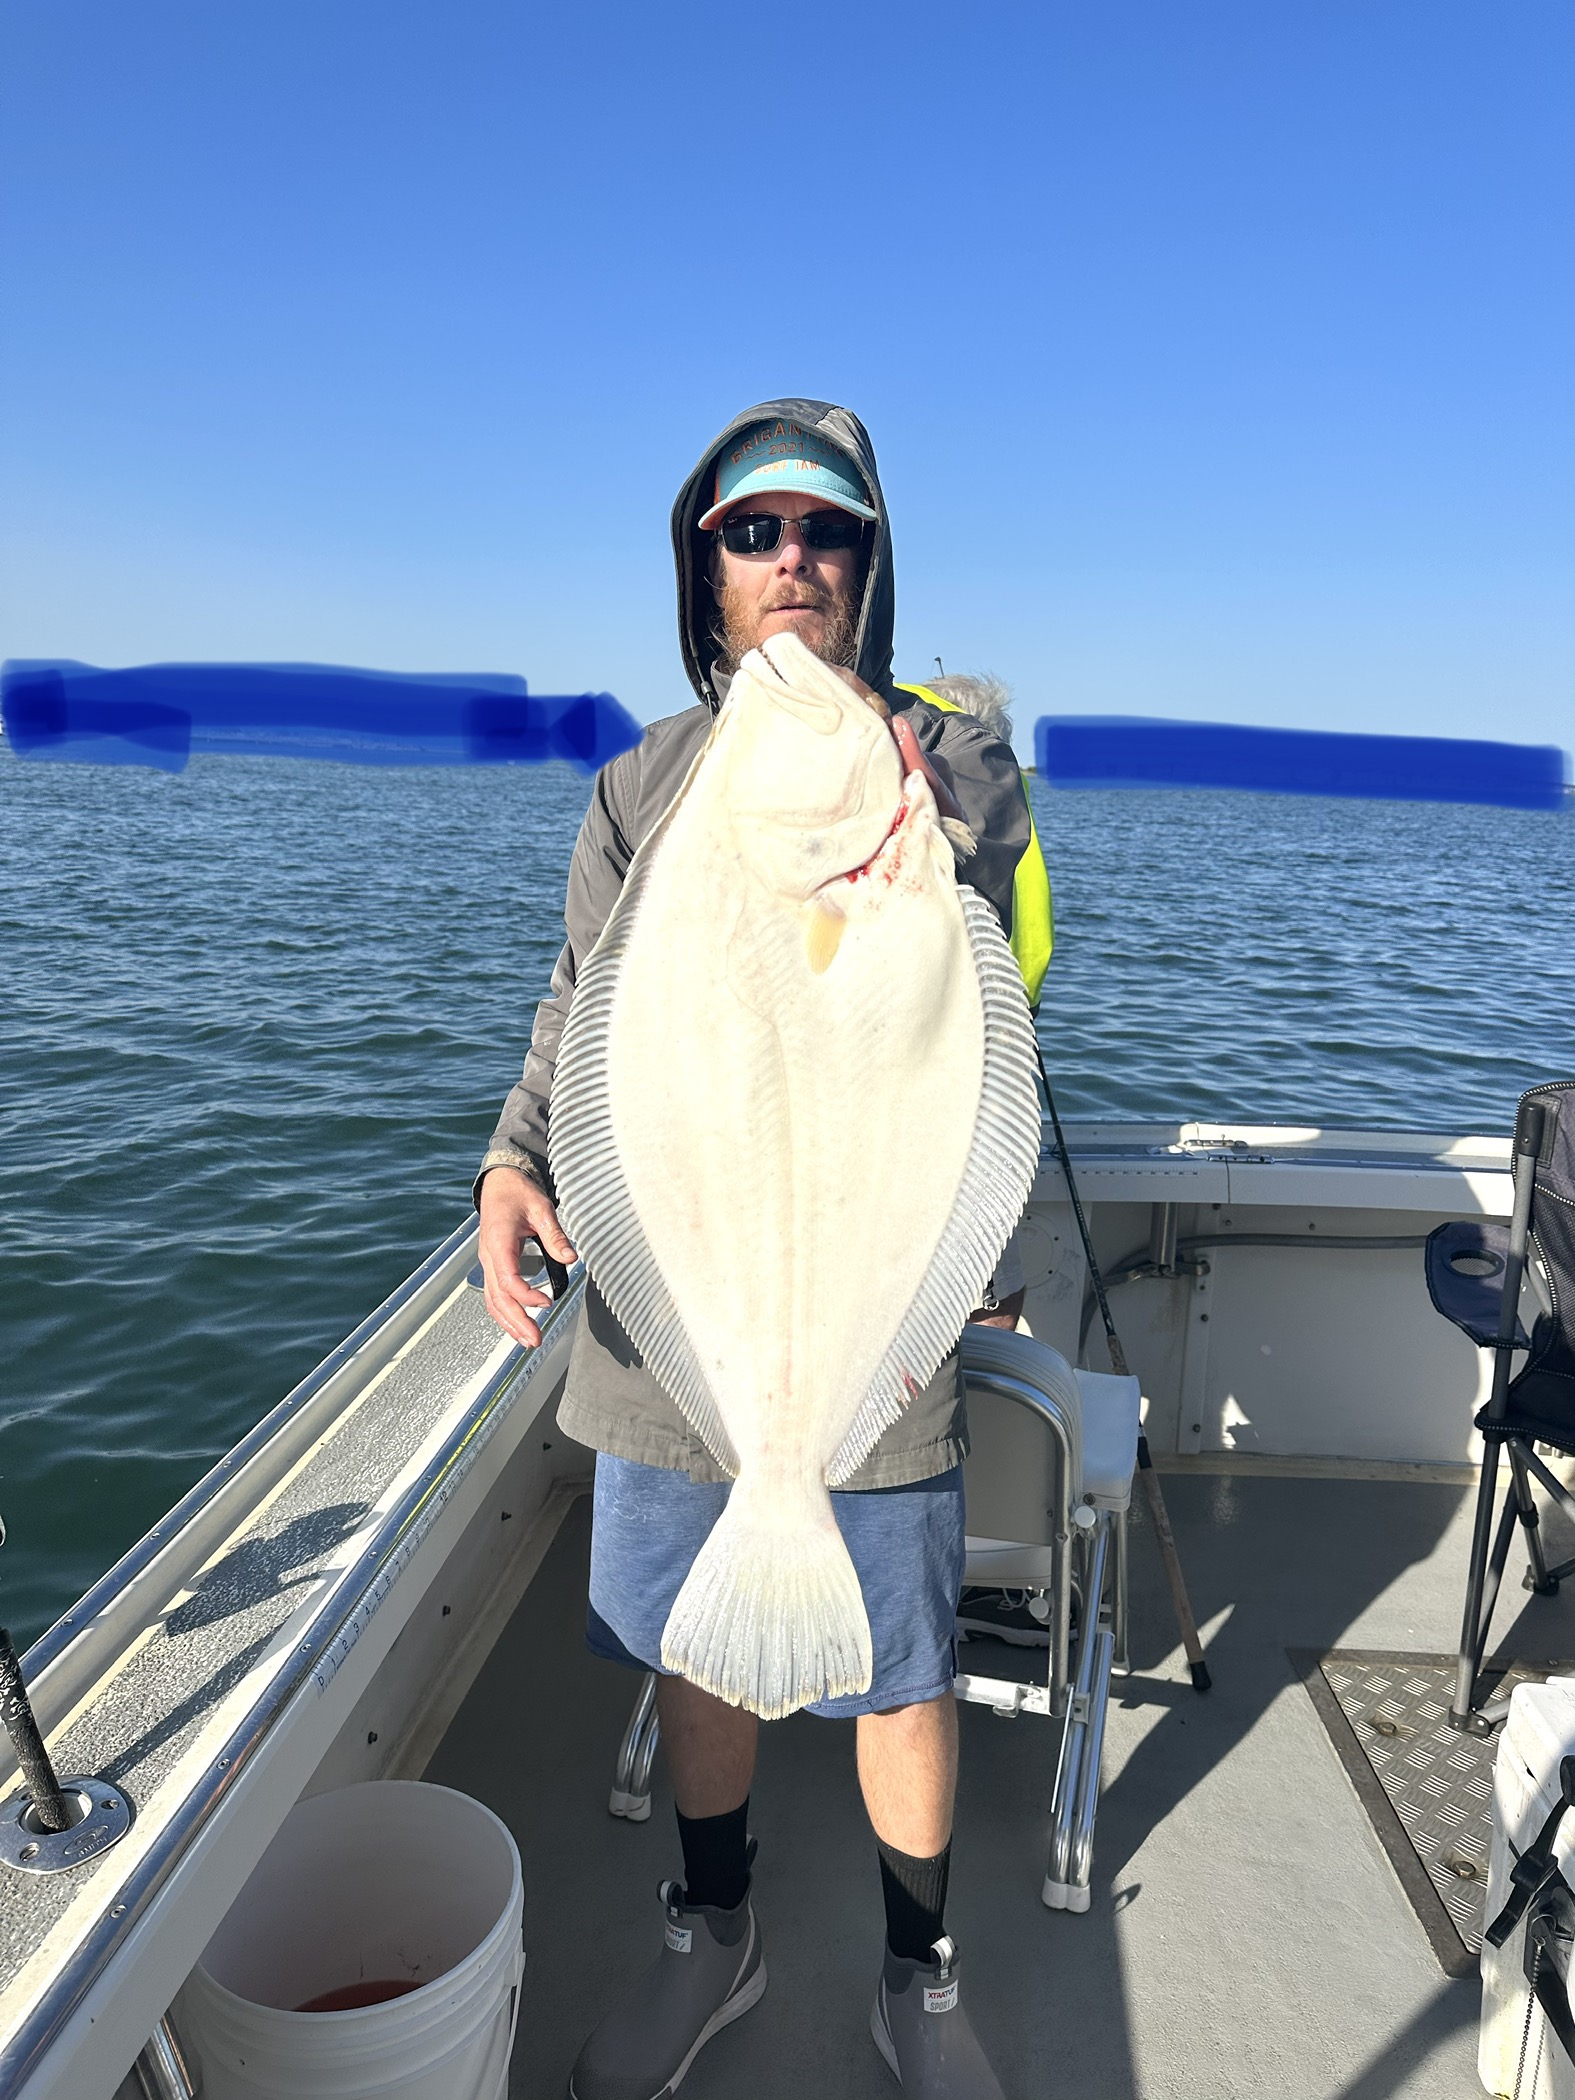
[(915, 1893), (716, 1868)]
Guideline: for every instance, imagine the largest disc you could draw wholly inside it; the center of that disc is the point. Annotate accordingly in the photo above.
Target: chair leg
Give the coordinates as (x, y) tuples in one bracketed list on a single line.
[(1537, 1576), (631, 1787), (645, 1757), (1497, 1561), (1121, 1661), (1479, 1599), (1076, 1798), (1088, 1778), (1556, 1490)]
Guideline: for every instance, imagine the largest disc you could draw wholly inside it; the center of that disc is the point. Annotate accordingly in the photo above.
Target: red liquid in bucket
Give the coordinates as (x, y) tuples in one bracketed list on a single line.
[(351, 1997)]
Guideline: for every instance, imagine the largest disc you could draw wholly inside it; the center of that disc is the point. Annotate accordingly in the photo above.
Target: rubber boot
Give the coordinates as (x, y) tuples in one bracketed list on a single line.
[(922, 2030), (709, 1971)]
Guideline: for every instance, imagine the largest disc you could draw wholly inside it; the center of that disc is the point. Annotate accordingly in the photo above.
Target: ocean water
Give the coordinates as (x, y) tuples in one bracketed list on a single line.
[(256, 1021)]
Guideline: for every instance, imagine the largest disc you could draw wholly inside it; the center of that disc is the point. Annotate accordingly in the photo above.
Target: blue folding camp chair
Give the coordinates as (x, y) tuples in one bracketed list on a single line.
[(1476, 1269)]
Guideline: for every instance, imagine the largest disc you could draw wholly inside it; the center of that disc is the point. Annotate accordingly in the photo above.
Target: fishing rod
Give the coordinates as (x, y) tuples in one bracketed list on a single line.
[(16, 1718), (1153, 1494)]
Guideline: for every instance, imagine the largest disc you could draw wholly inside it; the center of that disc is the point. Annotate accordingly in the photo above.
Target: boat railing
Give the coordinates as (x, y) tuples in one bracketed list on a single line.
[(100, 1625)]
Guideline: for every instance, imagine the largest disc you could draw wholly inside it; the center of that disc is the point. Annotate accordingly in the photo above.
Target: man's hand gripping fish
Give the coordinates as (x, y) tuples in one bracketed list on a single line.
[(793, 1125)]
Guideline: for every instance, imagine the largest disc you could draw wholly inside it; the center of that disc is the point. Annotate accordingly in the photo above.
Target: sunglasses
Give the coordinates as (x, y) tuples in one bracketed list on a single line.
[(760, 531)]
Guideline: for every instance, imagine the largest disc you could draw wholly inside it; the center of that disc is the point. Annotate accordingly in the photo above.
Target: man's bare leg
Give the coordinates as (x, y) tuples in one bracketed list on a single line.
[(711, 1969), (908, 1772), (710, 1748)]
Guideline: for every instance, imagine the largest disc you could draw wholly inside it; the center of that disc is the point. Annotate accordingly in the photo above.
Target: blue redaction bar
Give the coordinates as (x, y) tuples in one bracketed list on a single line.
[(1089, 751), (159, 715)]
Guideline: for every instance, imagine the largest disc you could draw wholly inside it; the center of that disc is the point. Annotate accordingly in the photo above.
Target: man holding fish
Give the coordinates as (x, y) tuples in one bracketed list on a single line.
[(782, 1089)]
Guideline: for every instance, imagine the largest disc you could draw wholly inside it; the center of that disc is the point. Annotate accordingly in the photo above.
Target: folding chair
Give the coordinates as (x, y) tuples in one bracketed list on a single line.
[(1475, 1270), (1049, 1482)]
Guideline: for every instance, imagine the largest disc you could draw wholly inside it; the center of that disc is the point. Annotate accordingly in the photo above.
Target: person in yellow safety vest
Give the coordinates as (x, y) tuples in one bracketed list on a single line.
[(1033, 915)]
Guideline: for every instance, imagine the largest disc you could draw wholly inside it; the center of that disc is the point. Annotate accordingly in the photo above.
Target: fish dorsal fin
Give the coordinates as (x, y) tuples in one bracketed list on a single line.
[(997, 1177), (598, 1210)]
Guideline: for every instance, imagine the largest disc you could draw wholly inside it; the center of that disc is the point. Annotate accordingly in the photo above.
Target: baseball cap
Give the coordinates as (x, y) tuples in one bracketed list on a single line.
[(782, 456)]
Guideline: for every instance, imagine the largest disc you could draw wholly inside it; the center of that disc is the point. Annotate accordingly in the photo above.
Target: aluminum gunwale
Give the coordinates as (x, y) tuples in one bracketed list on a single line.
[(399, 1532), (50, 1646)]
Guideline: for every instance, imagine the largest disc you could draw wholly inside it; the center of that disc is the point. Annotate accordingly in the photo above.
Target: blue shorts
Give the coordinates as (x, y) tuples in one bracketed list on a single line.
[(906, 1545)]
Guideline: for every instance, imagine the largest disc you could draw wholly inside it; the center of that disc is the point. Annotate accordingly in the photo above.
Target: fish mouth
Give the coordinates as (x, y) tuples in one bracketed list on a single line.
[(843, 675), (912, 754), (763, 650), (915, 761), (804, 694)]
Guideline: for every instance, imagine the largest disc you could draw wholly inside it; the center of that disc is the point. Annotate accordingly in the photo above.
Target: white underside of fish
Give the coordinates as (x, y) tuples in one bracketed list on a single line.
[(792, 1127)]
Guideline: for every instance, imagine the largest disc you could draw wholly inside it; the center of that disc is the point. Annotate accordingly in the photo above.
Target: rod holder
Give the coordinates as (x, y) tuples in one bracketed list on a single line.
[(55, 1823), (99, 1816)]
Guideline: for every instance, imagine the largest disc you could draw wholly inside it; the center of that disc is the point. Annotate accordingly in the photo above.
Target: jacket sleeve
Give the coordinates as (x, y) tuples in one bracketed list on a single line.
[(990, 790), (602, 853)]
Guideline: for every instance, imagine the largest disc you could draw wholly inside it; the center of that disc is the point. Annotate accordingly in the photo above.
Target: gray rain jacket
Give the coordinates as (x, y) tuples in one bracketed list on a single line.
[(611, 1401)]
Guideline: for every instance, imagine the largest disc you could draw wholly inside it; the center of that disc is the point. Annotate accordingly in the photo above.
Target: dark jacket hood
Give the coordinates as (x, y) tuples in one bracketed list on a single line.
[(692, 548)]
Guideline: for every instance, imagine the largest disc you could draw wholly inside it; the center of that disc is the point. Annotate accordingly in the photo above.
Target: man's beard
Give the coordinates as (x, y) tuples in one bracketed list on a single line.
[(737, 627)]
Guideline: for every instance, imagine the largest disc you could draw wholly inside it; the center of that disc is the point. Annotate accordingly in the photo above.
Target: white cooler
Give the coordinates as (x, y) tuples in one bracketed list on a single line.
[(1539, 1732)]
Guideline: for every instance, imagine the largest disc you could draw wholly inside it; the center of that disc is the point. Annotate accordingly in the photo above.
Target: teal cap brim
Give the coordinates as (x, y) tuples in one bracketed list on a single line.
[(783, 458)]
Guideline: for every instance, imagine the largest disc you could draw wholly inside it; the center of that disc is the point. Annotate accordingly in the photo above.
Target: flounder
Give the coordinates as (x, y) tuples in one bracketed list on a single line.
[(793, 1124)]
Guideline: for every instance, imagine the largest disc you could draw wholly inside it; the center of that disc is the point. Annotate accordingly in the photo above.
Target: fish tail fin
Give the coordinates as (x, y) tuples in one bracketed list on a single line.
[(771, 1618)]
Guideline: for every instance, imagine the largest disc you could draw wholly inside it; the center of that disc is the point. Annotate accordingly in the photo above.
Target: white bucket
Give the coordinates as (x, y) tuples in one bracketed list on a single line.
[(392, 1882)]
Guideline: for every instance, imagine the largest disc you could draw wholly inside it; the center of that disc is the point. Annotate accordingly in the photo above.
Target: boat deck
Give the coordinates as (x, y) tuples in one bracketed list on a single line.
[(1248, 1935)]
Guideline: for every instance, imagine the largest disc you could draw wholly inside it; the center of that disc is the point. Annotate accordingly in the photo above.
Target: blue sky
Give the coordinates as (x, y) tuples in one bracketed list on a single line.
[(1219, 357)]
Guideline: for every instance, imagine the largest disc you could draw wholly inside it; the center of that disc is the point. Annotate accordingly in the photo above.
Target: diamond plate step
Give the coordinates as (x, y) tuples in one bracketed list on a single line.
[(1428, 1788)]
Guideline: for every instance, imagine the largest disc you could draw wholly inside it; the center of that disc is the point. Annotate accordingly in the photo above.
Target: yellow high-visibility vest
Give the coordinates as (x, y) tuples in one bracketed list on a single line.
[(1033, 910)]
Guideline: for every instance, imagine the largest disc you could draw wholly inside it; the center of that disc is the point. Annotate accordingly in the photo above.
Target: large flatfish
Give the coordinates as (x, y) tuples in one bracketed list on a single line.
[(792, 1126)]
